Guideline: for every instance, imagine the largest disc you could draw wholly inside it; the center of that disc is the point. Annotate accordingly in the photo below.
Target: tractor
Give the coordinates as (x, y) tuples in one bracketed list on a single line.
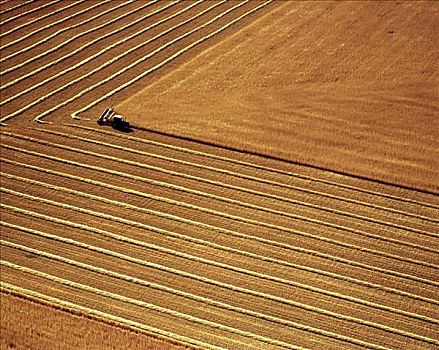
[(117, 121)]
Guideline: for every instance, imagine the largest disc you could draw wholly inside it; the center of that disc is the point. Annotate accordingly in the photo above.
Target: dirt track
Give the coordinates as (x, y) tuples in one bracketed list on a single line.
[(205, 246)]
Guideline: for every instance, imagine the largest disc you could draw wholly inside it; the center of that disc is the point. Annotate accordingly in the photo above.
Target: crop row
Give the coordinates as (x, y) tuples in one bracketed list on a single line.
[(131, 279), (287, 176), (48, 146), (214, 248), (230, 200), (182, 43)]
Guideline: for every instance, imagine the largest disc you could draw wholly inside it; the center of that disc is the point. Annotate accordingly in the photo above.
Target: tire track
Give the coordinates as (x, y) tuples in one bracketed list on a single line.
[(236, 218), (230, 233)]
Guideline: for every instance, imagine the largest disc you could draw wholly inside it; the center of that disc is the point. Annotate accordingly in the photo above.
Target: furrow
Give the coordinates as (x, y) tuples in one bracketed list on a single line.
[(147, 283), (387, 329), (179, 282), (227, 296)]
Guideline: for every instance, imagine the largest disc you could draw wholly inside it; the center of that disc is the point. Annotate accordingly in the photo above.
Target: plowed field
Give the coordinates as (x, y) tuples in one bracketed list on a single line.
[(142, 233)]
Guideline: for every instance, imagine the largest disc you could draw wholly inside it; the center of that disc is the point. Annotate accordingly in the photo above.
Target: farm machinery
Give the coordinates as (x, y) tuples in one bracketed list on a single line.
[(117, 121)]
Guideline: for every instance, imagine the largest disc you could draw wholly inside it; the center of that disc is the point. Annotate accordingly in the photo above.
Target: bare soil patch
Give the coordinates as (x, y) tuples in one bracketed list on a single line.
[(350, 86)]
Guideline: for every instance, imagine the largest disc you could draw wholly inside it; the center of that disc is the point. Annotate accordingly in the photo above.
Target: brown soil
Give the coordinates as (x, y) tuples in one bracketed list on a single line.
[(351, 86)]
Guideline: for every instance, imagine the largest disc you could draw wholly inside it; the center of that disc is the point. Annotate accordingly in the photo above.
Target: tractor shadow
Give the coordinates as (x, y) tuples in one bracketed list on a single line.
[(125, 131)]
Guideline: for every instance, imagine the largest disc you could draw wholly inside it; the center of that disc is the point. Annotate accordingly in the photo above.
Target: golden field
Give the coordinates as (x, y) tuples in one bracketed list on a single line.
[(278, 189)]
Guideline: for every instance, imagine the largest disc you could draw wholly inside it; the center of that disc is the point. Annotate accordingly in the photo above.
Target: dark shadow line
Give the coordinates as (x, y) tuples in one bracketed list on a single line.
[(279, 159)]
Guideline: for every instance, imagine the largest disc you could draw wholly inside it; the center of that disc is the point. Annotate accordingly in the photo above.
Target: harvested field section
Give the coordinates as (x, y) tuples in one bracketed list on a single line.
[(206, 252), (253, 213), (110, 50), (306, 178), (58, 29), (200, 245), (269, 190)]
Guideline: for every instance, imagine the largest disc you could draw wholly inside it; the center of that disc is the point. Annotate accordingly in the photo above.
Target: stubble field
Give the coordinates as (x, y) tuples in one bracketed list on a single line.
[(146, 237)]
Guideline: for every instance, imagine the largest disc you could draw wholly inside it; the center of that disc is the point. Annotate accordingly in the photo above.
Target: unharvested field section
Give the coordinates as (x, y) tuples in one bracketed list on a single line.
[(349, 86)]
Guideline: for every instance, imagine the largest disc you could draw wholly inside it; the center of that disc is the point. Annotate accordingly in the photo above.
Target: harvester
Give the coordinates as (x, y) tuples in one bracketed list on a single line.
[(117, 121)]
